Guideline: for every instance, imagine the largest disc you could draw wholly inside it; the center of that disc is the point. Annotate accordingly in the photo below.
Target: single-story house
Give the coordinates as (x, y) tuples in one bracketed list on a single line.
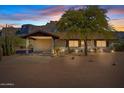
[(46, 38), (47, 41)]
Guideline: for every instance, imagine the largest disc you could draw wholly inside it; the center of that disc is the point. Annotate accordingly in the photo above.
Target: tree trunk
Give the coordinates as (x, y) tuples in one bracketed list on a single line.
[(85, 47), (1, 53)]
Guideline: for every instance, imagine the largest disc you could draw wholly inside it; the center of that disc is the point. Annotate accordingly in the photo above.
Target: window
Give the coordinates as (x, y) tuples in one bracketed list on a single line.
[(89, 43), (101, 43), (82, 43), (73, 43)]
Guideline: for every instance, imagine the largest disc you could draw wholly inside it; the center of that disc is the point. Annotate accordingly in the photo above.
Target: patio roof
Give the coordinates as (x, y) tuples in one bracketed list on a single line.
[(41, 33)]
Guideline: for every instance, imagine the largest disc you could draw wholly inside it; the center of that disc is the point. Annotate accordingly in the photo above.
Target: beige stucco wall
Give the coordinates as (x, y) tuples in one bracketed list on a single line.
[(47, 44), (60, 43), (41, 44)]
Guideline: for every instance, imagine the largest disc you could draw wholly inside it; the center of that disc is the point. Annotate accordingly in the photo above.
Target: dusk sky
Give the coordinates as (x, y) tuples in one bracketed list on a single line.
[(41, 14)]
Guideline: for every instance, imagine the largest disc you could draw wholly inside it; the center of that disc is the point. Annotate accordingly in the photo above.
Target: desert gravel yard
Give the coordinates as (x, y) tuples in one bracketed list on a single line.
[(96, 70)]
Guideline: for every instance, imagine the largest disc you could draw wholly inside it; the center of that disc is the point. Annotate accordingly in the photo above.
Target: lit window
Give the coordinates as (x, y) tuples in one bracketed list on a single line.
[(101, 43), (73, 43), (89, 43)]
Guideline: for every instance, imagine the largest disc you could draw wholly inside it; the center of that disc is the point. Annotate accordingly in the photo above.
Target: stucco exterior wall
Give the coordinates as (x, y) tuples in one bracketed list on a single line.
[(47, 44), (90, 43), (42, 44), (60, 43)]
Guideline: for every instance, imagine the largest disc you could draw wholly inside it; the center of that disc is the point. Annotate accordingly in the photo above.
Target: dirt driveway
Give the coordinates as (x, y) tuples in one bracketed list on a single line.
[(96, 70)]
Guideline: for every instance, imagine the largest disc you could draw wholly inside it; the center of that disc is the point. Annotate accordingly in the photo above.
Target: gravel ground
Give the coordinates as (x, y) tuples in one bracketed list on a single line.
[(103, 70)]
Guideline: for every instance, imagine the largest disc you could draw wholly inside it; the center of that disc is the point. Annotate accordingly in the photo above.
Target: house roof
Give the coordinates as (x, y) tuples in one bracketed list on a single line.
[(40, 33), (68, 35), (50, 29)]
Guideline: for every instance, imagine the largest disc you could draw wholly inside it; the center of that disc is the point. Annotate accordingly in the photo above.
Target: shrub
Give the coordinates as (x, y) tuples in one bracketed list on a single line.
[(119, 47)]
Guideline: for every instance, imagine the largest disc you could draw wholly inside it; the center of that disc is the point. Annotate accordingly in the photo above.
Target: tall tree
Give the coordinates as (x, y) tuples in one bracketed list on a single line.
[(86, 22)]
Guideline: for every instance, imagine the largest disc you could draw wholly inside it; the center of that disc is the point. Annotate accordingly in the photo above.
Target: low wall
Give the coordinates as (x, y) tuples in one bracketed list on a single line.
[(23, 51)]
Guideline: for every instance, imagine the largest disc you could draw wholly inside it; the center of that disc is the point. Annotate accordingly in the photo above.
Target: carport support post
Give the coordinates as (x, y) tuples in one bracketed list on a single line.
[(53, 46), (27, 46)]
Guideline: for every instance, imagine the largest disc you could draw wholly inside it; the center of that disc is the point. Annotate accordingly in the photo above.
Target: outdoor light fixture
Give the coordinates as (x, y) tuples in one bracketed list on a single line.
[(76, 50), (91, 50), (62, 50), (53, 51), (112, 51)]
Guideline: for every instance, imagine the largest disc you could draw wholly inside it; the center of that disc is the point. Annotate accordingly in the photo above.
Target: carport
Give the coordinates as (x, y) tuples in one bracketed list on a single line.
[(40, 41)]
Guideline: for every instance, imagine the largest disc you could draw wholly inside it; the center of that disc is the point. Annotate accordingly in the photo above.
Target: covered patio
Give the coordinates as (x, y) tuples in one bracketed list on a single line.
[(40, 41)]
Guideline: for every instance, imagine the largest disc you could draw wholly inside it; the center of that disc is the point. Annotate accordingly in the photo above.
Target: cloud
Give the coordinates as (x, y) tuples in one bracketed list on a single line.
[(51, 13), (118, 24), (116, 11), (35, 14), (119, 21), (54, 13), (116, 17), (119, 27)]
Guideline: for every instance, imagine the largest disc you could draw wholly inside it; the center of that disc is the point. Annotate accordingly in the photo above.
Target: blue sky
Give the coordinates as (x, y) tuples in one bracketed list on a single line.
[(41, 14)]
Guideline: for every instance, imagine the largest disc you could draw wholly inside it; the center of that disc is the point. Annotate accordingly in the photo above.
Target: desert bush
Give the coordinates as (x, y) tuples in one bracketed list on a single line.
[(119, 46)]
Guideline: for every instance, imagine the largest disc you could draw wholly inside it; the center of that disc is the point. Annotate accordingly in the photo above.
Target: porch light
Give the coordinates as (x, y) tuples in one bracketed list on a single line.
[(53, 51), (62, 50), (91, 50), (112, 51), (76, 50)]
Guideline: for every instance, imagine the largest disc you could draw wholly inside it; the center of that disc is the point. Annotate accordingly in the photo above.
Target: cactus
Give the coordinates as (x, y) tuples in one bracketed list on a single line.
[(8, 41), (8, 46), (4, 47)]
